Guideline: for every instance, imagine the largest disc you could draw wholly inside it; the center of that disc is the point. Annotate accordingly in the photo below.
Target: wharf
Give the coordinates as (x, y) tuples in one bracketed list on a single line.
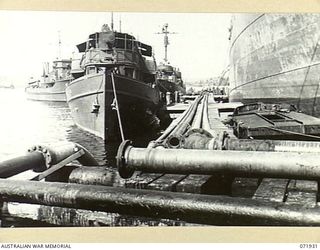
[(281, 191), (174, 181)]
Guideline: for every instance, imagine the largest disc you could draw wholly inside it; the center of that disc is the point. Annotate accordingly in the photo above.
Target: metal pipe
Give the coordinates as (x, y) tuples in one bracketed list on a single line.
[(196, 123), (19, 164), (205, 119), (57, 152), (174, 138), (195, 208), (271, 145), (201, 139), (241, 163), (93, 176), (169, 129), (39, 158)]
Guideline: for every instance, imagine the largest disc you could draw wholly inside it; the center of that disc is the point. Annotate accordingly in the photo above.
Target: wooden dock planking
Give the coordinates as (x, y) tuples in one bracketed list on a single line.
[(142, 180), (192, 184), (302, 192), (166, 182), (244, 187), (271, 190)]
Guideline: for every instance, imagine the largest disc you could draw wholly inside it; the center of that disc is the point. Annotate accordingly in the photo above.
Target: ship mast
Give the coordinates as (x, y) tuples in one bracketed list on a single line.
[(165, 32), (59, 45), (112, 21)]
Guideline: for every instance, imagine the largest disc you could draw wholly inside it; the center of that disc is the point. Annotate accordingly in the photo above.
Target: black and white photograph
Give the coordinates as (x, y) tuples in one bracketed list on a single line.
[(145, 119)]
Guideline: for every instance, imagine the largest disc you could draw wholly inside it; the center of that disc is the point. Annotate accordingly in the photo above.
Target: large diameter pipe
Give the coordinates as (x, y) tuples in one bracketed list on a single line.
[(39, 158), (93, 176), (241, 163), (271, 145), (201, 139), (57, 152), (29, 161), (195, 208)]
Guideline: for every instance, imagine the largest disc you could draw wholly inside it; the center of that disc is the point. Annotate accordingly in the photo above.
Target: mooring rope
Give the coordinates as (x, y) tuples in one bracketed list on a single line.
[(117, 107)]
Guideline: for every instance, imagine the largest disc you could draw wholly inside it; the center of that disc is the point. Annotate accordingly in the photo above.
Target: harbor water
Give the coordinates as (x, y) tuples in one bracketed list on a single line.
[(25, 123)]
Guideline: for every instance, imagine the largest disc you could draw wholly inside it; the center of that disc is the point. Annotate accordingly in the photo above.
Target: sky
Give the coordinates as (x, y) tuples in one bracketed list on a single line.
[(28, 38)]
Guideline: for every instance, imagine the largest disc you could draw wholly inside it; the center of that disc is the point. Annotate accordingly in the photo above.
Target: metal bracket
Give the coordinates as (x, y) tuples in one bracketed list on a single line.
[(58, 166)]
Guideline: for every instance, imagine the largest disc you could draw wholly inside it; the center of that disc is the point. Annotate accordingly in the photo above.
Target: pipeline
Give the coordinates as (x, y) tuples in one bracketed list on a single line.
[(93, 176), (208, 162), (271, 145), (39, 158), (173, 140), (19, 164), (201, 139), (194, 208), (196, 123), (205, 120), (57, 152), (171, 128)]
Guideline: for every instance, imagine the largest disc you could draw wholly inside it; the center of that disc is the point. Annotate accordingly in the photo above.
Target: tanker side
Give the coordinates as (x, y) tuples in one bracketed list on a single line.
[(276, 58)]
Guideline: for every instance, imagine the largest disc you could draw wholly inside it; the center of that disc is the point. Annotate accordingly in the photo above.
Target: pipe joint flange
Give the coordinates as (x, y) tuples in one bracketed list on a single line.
[(124, 171), (46, 155), (174, 141)]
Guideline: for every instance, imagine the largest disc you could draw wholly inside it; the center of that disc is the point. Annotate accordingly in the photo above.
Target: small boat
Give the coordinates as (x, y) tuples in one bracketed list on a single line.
[(8, 86), (52, 86), (114, 93), (168, 77)]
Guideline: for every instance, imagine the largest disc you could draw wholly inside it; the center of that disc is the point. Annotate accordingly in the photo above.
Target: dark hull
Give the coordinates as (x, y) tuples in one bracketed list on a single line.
[(275, 58), (134, 98), (56, 93), (167, 86)]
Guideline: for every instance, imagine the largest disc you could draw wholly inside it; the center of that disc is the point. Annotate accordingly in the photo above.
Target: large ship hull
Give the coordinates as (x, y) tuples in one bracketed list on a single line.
[(276, 58), (91, 101), (56, 93)]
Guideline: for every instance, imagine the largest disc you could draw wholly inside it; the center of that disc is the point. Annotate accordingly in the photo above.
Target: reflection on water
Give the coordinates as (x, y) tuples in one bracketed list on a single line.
[(25, 123)]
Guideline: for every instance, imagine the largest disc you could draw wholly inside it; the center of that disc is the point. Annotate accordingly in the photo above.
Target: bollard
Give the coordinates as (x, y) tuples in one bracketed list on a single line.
[(238, 163), (194, 208)]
